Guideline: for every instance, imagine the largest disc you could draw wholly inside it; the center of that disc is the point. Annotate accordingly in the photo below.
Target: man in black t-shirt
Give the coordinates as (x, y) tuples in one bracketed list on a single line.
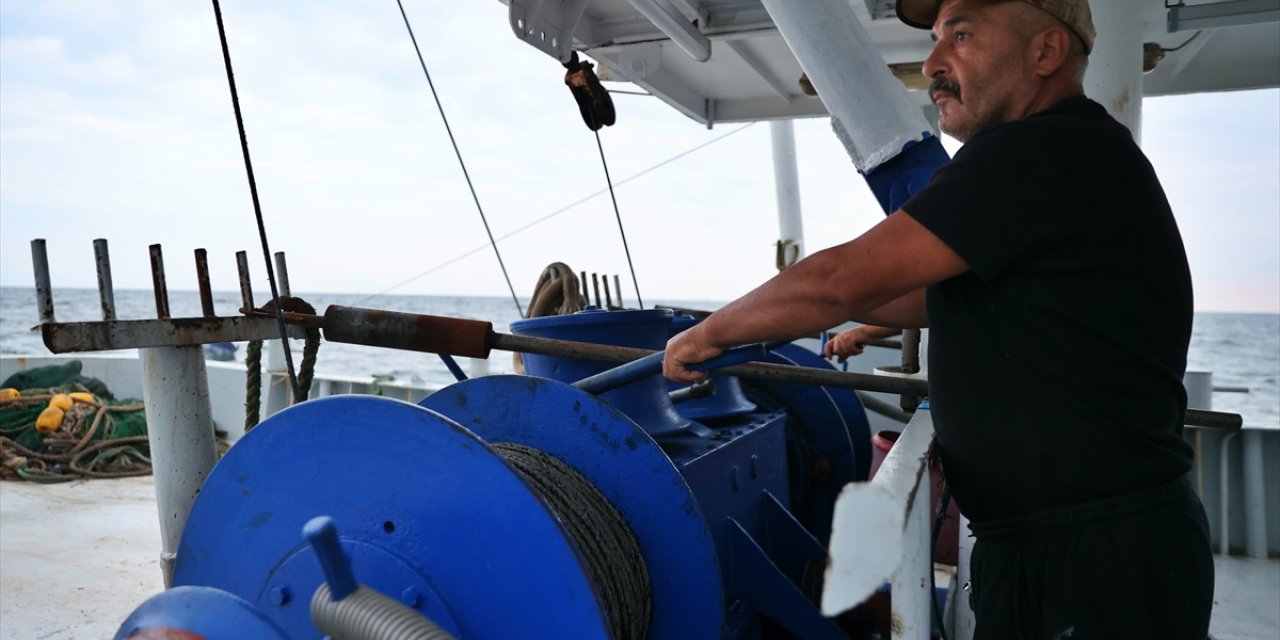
[(1048, 266)]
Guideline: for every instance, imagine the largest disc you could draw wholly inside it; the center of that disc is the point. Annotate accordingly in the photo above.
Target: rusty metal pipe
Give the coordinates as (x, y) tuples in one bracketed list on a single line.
[(595, 284), (414, 332), (282, 274), (202, 280), (44, 289), (703, 389), (885, 344), (911, 351), (608, 298), (106, 292), (70, 337), (617, 288), (158, 282), (246, 285), (475, 339)]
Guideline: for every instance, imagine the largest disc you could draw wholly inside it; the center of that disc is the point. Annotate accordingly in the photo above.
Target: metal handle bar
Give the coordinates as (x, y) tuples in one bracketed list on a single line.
[(473, 338), (652, 364)]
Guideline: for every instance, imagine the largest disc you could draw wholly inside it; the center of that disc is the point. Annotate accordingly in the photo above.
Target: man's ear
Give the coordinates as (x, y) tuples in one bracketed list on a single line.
[(1050, 49)]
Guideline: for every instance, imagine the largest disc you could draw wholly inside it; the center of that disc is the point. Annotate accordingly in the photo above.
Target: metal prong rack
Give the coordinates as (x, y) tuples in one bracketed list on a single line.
[(175, 384)]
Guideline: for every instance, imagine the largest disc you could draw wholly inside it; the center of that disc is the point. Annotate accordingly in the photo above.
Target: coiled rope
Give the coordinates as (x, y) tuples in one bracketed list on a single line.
[(64, 454), (253, 362), (558, 292), (602, 536)]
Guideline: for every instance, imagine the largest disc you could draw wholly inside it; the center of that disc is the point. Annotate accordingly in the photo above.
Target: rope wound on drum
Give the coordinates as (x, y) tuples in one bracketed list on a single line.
[(606, 543)]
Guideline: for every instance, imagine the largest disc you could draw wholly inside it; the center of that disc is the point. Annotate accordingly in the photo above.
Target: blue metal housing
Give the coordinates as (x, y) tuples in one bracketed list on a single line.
[(645, 401), (213, 613)]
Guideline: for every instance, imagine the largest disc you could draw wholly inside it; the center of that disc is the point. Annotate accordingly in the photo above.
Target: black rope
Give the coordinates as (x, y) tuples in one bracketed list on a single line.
[(253, 191), (616, 214), (458, 153), (602, 536)]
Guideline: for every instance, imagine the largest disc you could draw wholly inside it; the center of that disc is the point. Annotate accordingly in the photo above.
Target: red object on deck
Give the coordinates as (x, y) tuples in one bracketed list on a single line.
[(946, 549)]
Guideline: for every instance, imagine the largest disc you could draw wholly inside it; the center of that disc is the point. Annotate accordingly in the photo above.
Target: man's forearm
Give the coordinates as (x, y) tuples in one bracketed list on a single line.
[(906, 312)]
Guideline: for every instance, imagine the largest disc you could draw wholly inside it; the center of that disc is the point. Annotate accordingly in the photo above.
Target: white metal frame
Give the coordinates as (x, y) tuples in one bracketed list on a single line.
[(881, 533)]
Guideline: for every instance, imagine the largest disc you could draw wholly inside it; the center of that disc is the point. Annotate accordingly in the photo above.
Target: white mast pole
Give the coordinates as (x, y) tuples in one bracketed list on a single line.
[(1114, 78), (786, 182)]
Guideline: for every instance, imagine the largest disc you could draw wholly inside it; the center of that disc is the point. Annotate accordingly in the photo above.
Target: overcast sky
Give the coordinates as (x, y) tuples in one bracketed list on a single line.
[(115, 122)]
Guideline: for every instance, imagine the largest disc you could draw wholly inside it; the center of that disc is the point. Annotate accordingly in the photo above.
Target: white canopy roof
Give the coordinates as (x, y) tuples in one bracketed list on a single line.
[(751, 74)]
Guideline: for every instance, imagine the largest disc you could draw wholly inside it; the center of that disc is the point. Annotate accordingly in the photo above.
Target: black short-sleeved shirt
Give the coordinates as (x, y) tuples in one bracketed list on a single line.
[(1056, 362)]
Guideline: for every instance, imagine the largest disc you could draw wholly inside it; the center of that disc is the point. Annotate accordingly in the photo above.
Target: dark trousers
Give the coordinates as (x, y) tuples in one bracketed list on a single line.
[(1129, 568)]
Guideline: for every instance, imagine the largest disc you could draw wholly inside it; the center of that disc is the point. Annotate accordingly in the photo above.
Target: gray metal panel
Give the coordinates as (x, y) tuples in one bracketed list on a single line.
[(749, 60)]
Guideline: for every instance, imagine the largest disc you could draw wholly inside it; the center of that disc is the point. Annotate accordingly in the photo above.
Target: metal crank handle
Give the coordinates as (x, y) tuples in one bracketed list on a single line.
[(472, 338), (652, 364)]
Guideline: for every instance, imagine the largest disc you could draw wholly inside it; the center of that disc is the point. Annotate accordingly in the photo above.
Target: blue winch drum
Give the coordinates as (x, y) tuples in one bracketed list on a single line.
[(644, 401)]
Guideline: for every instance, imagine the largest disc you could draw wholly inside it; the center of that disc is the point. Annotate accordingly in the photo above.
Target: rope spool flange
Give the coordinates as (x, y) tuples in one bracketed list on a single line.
[(425, 509), (627, 467)]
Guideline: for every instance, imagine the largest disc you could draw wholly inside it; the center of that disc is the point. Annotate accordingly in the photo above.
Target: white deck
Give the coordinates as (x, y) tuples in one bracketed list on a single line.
[(76, 558)]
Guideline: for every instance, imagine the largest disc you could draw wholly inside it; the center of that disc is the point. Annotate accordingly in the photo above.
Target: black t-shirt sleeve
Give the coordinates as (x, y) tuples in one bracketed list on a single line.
[(989, 204)]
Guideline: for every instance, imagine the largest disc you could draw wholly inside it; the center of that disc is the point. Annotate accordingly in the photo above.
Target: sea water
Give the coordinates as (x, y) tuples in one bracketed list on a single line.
[(1241, 350)]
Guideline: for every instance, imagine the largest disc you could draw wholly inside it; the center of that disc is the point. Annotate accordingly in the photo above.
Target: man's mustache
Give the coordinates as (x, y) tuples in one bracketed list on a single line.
[(942, 84)]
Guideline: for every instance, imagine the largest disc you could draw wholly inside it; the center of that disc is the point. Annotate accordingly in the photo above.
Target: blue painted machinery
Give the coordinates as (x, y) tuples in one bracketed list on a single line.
[(575, 502)]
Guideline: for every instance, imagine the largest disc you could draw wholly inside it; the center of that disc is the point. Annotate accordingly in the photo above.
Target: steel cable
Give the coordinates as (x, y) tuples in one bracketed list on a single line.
[(458, 153), (253, 192), (602, 536)]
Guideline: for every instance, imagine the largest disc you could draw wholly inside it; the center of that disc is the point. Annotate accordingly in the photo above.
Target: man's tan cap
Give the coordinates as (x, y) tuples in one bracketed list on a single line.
[(1074, 13)]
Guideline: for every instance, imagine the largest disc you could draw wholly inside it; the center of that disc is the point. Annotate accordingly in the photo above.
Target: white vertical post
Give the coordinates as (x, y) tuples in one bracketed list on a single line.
[(786, 180), (1114, 78), (1224, 493), (912, 589), (965, 622), (1255, 500), (1199, 385), (175, 389), (892, 511)]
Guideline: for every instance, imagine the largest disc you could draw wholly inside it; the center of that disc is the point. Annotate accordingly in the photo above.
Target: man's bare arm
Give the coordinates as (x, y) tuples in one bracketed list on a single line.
[(906, 312), (896, 257)]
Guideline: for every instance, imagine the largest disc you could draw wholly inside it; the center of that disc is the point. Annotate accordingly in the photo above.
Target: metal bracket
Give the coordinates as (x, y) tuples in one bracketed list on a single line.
[(1222, 14), (71, 337), (548, 25), (639, 61), (761, 584), (671, 22)]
